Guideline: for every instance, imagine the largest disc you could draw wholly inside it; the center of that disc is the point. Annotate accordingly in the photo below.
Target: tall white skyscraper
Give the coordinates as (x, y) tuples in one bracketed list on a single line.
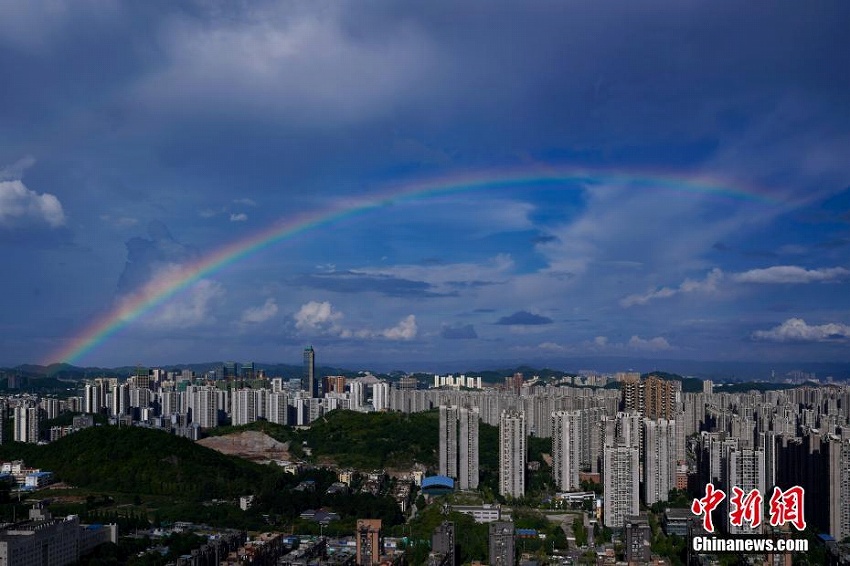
[(244, 410), (659, 459), (357, 395), (278, 408), (25, 423), (566, 449), (381, 396), (512, 453), (203, 404)]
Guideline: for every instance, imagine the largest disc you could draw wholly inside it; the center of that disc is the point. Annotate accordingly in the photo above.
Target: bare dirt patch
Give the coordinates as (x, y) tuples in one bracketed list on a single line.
[(250, 444)]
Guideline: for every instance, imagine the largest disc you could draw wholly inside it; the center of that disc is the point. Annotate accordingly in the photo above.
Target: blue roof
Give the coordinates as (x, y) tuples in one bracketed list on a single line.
[(437, 485), (438, 481)]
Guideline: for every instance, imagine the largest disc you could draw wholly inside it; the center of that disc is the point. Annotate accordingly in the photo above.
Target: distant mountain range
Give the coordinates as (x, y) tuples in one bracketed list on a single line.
[(493, 370)]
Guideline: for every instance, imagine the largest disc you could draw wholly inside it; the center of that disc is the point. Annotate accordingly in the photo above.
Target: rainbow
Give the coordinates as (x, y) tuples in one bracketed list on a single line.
[(159, 291)]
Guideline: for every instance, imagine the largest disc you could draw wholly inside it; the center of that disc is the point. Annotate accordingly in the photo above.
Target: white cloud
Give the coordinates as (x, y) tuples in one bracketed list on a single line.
[(260, 314), (708, 285), (792, 274), (656, 344), (190, 309), (245, 201), (16, 169), (601, 345), (321, 318), (405, 330), (238, 217), (286, 61), (120, 221), (796, 330), (21, 206), (318, 317)]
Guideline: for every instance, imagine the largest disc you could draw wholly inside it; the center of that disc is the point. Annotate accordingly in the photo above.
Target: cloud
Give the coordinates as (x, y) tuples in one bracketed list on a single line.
[(318, 317), (360, 282), (245, 201), (524, 318), (190, 309), (16, 170), (20, 206), (238, 217), (458, 332), (262, 313), (405, 330), (796, 330), (295, 62), (657, 344), (119, 221), (792, 274), (708, 285), (552, 347), (148, 258)]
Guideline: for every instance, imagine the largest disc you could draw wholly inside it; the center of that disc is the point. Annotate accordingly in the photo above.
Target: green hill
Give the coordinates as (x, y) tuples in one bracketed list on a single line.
[(375, 440), (143, 461)]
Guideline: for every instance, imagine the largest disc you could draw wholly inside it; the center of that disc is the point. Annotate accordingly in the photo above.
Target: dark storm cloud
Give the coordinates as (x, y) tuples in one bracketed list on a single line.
[(524, 318), (145, 256), (459, 332), (353, 282)]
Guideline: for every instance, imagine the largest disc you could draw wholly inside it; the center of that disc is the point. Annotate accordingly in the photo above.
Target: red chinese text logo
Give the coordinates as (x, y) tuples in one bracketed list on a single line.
[(787, 507), (706, 505), (745, 507), (784, 507)]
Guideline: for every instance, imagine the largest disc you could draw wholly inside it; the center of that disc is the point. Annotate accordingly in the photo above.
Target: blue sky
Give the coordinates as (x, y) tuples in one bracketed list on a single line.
[(137, 138)]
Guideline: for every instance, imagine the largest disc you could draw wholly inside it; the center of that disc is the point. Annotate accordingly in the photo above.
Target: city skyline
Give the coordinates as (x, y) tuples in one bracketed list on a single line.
[(414, 184)]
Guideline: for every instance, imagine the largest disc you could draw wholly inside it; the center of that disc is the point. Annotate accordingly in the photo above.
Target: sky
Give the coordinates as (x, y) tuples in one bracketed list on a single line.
[(409, 182)]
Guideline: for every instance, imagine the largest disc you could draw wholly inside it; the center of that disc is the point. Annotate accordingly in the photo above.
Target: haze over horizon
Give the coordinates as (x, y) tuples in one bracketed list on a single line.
[(424, 182)]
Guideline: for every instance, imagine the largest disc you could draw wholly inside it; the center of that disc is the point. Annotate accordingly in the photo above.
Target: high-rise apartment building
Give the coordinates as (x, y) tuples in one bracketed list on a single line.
[(660, 397), (659, 459), (309, 380), (620, 483), (25, 421), (512, 453), (566, 449), (839, 488), (467, 468), (278, 408), (244, 409), (653, 397), (448, 441), (459, 445), (381, 396), (744, 469), (203, 404)]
